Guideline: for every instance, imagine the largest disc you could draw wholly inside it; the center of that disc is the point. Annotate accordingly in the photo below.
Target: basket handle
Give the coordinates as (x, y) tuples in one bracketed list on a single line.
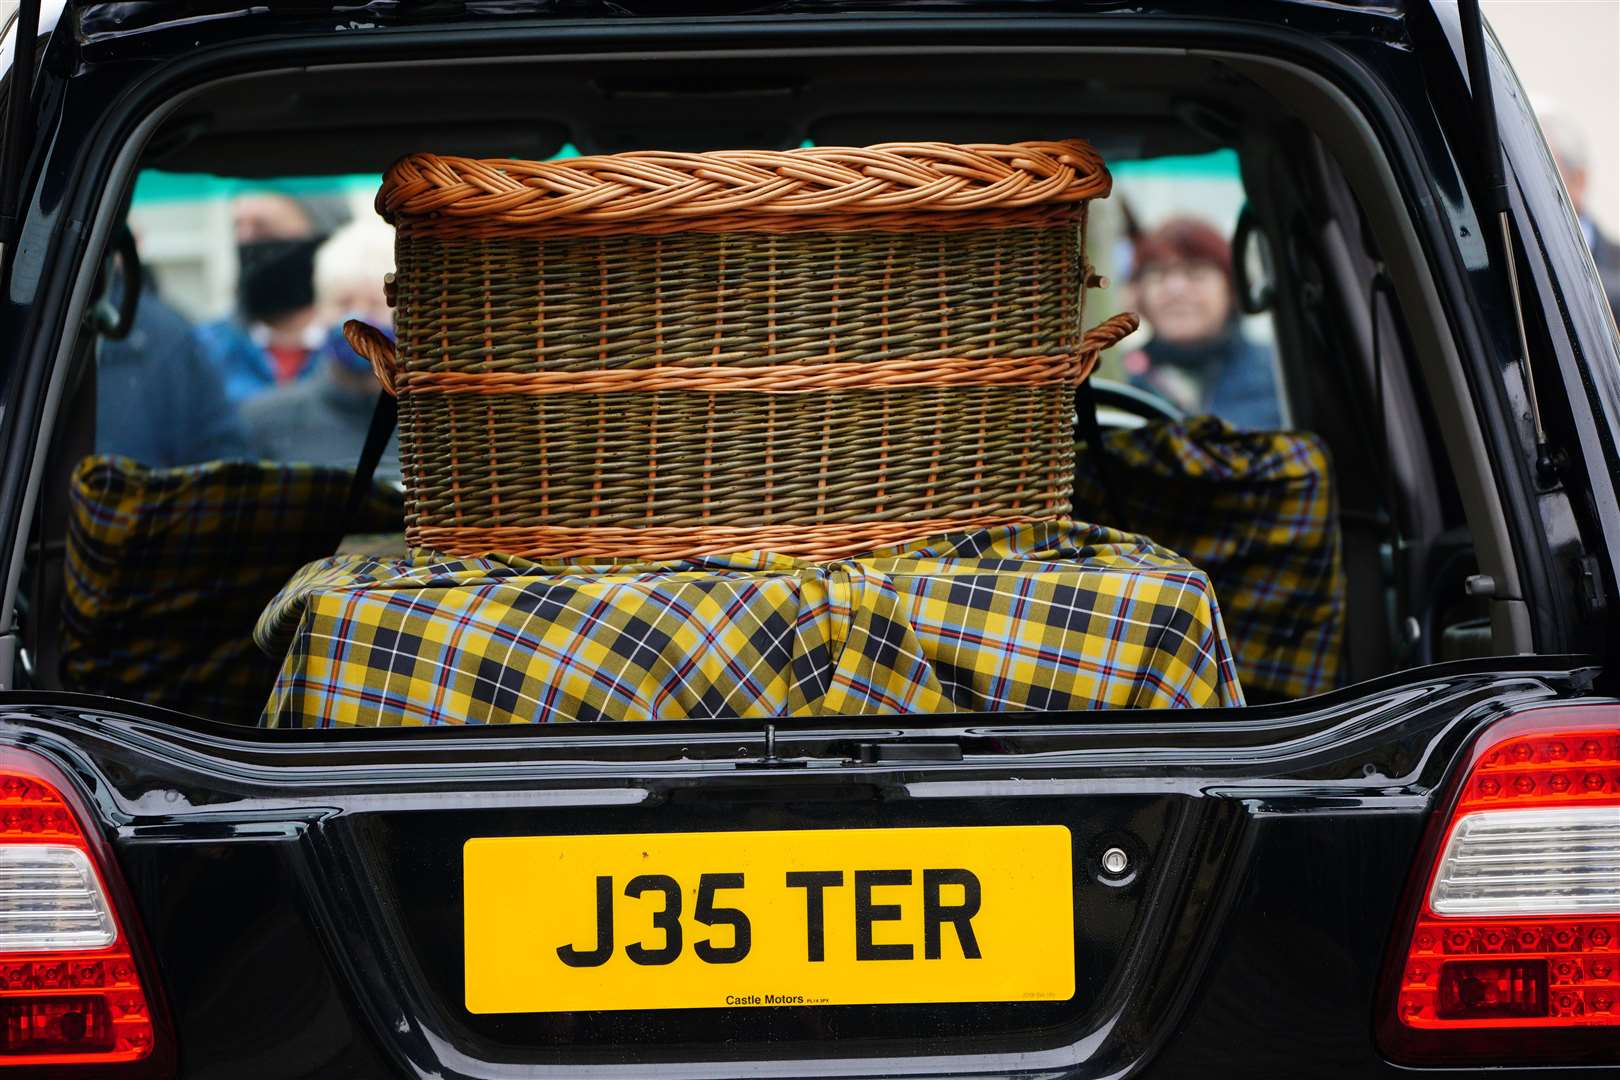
[(372, 344), (1109, 332)]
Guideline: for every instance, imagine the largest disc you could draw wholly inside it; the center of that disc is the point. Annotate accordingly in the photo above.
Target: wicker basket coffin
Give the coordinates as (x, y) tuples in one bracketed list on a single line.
[(818, 351)]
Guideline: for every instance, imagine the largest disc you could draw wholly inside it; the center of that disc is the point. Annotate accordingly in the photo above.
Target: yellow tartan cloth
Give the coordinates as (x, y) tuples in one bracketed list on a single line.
[(1046, 616)]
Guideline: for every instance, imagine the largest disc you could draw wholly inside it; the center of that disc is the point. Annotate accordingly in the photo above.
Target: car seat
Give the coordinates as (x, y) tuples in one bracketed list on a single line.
[(168, 569), (1257, 512)]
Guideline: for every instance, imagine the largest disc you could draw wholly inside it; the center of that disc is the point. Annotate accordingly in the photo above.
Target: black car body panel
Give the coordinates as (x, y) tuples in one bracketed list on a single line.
[(303, 895), (300, 890)]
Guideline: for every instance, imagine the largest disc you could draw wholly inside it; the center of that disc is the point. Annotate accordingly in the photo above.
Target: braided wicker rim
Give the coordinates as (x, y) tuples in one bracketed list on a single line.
[(374, 346), (737, 189)]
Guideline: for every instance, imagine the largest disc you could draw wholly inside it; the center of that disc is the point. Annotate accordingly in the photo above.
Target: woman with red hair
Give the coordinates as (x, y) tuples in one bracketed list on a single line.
[(1198, 358)]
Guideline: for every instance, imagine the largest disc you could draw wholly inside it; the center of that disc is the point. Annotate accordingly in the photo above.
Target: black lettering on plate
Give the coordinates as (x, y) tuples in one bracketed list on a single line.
[(598, 956), (960, 916), (709, 915), (815, 911), (667, 920), (867, 913)]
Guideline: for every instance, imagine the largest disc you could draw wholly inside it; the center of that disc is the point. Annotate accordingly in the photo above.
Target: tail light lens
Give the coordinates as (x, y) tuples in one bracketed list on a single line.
[(71, 991), (1513, 952)]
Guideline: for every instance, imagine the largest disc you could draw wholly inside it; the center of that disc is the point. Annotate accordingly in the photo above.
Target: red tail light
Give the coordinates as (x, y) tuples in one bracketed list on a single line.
[(1513, 947), (71, 992)]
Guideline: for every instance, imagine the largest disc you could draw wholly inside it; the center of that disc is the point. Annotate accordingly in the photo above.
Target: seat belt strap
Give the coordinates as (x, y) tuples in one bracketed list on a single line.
[(383, 418)]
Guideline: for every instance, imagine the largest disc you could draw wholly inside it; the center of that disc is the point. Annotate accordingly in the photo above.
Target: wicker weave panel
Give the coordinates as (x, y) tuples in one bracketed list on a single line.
[(737, 299), (674, 458)]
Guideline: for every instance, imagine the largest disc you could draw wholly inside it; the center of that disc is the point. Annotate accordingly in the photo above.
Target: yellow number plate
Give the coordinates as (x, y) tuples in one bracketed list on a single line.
[(738, 919)]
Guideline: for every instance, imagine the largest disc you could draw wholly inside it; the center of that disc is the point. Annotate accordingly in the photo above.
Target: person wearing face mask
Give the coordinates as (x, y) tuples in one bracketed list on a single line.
[(272, 337), (1198, 358), (323, 418)]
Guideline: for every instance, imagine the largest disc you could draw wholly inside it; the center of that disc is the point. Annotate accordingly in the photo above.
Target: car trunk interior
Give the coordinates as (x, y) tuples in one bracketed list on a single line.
[(1375, 377)]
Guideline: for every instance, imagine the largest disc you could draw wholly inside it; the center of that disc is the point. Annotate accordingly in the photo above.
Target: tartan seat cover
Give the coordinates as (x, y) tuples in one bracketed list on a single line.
[(1052, 615), (168, 569), (1257, 512)]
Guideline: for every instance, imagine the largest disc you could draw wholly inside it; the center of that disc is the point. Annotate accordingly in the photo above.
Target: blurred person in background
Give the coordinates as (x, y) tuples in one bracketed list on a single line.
[(1569, 148), (272, 336), (1197, 358), (158, 399), (323, 418)]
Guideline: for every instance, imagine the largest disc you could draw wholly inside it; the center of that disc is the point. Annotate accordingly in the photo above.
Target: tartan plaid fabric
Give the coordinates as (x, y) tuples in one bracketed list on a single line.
[(1257, 512), (1056, 615), (168, 569)]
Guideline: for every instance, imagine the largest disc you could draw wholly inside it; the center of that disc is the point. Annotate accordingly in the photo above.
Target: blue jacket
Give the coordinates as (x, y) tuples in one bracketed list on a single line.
[(240, 361), (158, 400), (1235, 375)]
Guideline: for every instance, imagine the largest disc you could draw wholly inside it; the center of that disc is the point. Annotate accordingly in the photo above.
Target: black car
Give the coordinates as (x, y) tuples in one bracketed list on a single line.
[(1418, 869)]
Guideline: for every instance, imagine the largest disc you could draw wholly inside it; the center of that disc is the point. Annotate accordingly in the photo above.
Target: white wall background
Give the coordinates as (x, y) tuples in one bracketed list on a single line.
[(1569, 51)]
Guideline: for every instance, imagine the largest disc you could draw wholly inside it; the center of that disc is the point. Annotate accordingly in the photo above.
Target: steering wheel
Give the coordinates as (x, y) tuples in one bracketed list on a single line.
[(1132, 401)]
